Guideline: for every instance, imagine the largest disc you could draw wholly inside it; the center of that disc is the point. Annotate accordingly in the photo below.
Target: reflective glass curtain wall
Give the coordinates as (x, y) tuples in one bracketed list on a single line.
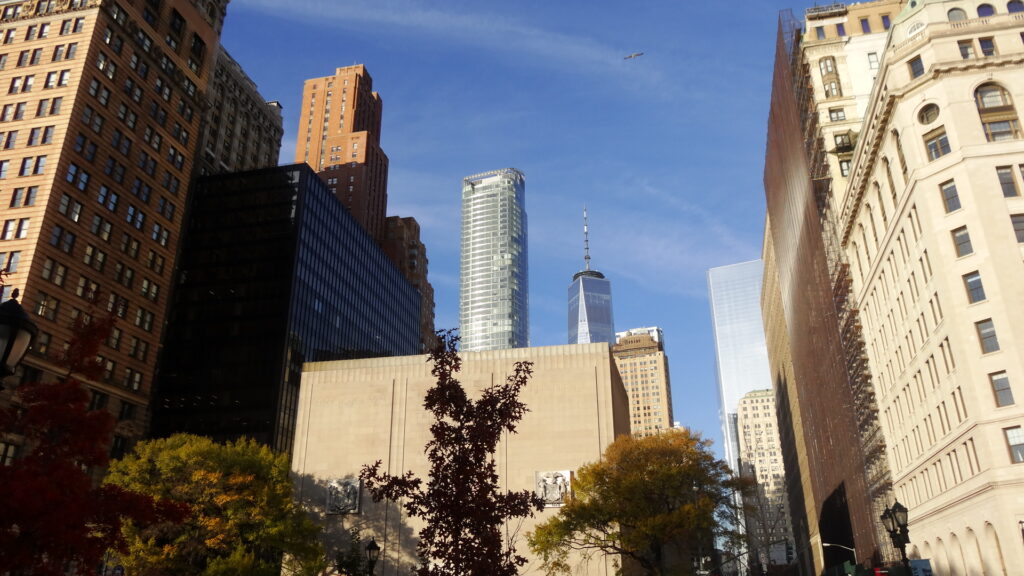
[(590, 309), (494, 287)]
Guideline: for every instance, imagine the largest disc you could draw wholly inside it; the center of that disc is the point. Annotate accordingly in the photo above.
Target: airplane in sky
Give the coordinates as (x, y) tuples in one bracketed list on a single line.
[(633, 55)]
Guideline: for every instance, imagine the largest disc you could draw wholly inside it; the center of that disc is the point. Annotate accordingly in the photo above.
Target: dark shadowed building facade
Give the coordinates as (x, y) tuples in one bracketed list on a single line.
[(275, 272)]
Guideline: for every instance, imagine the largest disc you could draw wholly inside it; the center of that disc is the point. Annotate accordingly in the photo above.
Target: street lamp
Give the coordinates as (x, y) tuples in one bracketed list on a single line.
[(372, 554), (853, 550), (17, 333), (895, 521)]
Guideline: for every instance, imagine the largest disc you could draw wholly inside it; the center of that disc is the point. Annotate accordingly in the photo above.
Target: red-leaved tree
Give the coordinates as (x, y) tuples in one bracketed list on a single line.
[(461, 502), (53, 518)]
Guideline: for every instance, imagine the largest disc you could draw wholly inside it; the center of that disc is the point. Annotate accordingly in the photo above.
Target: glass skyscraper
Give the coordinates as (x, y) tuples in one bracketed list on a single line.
[(494, 284), (590, 301), (740, 351)]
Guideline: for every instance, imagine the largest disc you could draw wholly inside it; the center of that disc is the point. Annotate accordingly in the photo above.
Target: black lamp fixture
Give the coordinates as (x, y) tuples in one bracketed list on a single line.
[(895, 521), (372, 554), (17, 333)]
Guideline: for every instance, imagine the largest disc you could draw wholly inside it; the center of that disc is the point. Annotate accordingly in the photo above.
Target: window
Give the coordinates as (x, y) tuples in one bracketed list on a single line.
[(873, 60), (966, 49), (1006, 181), (987, 336), (1018, 226), (1001, 389), (1015, 441), (988, 46), (985, 10), (975, 290), (962, 241), (916, 67), (956, 15), (819, 32), (886, 22), (928, 114), (950, 198), (844, 167), (937, 143), (865, 26), (47, 306), (841, 29), (8, 452), (54, 271), (836, 114), (1014, 6), (832, 90), (998, 116)]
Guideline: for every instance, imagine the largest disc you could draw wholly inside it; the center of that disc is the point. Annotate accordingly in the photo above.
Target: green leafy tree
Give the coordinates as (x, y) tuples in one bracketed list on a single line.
[(461, 502), (656, 502), (243, 519)]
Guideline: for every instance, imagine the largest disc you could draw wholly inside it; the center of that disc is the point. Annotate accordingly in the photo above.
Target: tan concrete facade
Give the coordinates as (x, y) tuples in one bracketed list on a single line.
[(356, 412), (642, 362), (933, 219), (767, 515), (339, 136)]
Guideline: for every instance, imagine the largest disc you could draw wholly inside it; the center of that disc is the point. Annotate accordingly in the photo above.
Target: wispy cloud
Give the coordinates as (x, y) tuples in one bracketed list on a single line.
[(465, 25)]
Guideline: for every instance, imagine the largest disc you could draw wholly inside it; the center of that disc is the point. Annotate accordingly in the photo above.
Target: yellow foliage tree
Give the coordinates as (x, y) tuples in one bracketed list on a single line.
[(656, 502), (243, 519)]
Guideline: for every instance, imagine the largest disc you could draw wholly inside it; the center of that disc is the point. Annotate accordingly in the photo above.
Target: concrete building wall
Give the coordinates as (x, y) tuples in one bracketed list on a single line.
[(353, 413), (949, 397)]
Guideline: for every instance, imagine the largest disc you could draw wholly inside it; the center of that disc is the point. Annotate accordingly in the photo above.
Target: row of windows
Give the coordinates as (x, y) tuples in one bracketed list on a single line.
[(69, 26), (30, 165), (840, 28)]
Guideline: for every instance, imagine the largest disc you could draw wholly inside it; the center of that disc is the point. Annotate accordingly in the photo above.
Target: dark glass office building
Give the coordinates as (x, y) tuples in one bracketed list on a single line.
[(274, 272)]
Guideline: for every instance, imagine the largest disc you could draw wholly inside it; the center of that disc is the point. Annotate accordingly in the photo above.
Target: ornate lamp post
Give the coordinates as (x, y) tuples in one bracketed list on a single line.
[(17, 333), (372, 554), (895, 521)]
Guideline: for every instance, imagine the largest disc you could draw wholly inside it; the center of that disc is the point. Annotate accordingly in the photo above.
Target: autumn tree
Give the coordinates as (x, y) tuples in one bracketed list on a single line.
[(461, 501), (656, 502), (53, 518), (243, 520)]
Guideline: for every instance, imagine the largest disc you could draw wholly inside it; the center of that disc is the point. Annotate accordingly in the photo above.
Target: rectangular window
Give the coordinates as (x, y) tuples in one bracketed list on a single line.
[(886, 22), (819, 32), (1015, 441), (988, 46), (873, 60), (966, 49), (841, 29), (1006, 181), (937, 143), (962, 241), (987, 336), (1018, 226), (950, 198), (1001, 389), (975, 290), (836, 114), (916, 67), (844, 167), (865, 26)]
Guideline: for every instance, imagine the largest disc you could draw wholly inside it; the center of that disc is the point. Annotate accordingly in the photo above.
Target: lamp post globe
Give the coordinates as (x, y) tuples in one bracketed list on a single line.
[(372, 554), (17, 333)]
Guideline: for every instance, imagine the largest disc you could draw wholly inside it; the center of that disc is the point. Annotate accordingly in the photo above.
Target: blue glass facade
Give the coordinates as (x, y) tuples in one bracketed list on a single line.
[(274, 272), (590, 309)]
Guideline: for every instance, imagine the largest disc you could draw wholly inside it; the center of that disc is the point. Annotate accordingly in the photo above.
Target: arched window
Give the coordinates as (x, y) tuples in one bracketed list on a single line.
[(892, 183), (998, 116), (899, 153), (985, 10), (1014, 6), (881, 206), (956, 15)]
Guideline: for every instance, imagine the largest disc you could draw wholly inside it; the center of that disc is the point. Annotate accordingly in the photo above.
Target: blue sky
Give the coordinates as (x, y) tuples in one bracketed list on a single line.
[(666, 150)]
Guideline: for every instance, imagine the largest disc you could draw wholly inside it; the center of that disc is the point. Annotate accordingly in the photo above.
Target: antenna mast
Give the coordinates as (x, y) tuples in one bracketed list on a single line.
[(586, 239)]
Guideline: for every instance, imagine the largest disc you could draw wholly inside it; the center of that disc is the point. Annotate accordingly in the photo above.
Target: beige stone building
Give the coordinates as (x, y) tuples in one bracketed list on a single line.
[(640, 357), (767, 515), (932, 221), (356, 412)]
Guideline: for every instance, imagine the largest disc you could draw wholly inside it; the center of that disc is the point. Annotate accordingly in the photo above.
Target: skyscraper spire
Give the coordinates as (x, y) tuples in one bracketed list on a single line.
[(586, 240), (590, 300)]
